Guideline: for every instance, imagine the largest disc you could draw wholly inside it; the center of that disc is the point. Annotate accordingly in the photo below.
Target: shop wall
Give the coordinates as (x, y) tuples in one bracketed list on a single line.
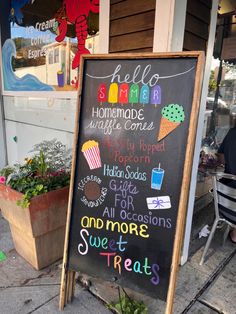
[(131, 25), (197, 23), (30, 120)]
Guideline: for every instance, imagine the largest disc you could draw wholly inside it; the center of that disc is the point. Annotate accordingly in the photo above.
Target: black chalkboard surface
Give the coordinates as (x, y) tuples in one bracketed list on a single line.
[(132, 161)]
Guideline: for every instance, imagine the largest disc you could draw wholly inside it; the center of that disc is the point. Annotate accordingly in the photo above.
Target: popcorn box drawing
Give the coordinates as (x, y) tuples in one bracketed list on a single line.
[(158, 202), (91, 152)]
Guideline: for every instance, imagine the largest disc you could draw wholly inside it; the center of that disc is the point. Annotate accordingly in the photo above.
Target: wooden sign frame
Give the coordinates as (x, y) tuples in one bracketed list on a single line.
[(68, 276)]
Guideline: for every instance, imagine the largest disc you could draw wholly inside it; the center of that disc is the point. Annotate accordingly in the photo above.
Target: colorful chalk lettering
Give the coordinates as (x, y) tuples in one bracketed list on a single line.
[(109, 212), (124, 208), (149, 219), (115, 226), (113, 93), (102, 93), (124, 193), (104, 243), (144, 95), (156, 95), (134, 94), (124, 93), (139, 267), (128, 173)]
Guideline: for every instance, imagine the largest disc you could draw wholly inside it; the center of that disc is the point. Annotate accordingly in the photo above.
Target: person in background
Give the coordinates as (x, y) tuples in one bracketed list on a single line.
[(227, 156)]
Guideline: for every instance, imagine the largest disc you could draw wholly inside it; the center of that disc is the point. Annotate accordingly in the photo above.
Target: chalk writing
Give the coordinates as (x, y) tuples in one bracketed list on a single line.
[(130, 265), (115, 226), (124, 191), (133, 132), (138, 77), (128, 173), (149, 218), (94, 194)]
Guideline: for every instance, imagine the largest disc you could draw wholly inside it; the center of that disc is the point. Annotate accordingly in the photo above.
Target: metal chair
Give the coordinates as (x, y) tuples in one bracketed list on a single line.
[(225, 207)]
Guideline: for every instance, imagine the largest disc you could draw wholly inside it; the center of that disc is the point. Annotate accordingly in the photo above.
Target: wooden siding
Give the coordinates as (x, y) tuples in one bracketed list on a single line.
[(131, 25), (197, 24)]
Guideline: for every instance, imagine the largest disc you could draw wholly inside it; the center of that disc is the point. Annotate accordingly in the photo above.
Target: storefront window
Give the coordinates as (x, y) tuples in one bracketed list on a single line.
[(220, 113), (47, 39), (50, 57), (56, 55)]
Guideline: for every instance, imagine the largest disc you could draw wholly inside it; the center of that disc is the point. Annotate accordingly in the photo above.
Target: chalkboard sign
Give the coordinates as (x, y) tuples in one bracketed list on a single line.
[(132, 162)]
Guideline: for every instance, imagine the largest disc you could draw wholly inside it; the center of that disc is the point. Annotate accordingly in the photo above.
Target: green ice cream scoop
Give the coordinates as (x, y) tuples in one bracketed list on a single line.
[(173, 112)]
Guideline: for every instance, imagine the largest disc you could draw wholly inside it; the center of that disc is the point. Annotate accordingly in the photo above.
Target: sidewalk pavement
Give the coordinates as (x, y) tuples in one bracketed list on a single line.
[(207, 289)]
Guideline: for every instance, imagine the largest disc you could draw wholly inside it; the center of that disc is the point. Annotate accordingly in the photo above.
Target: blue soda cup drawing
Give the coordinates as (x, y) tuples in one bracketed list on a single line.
[(157, 178)]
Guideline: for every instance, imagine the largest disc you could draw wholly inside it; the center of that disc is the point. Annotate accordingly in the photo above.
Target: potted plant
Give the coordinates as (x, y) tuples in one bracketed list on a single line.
[(33, 198)]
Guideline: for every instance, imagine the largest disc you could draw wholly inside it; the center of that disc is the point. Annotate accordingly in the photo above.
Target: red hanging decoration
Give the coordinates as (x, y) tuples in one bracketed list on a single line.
[(76, 12)]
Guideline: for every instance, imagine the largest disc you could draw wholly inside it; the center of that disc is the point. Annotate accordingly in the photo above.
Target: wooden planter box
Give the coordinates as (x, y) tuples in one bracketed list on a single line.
[(38, 231)]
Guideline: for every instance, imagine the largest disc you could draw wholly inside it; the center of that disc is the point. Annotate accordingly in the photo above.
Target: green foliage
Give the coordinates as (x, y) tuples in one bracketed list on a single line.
[(31, 192), (212, 83), (5, 172), (57, 156), (126, 305), (39, 174), (42, 165)]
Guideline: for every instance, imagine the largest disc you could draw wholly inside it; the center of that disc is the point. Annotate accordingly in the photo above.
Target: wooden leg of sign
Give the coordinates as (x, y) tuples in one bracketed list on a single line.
[(67, 288), (63, 289), (71, 285)]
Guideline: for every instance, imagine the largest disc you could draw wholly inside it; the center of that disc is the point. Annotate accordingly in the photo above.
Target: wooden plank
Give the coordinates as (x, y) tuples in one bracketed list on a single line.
[(207, 3), (132, 24), (64, 275), (131, 7), (196, 26), (199, 10), (137, 40), (71, 285), (192, 42), (149, 49), (116, 1)]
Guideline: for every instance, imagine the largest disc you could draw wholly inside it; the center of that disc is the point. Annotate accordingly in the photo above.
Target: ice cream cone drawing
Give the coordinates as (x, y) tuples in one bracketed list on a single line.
[(91, 152), (172, 116)]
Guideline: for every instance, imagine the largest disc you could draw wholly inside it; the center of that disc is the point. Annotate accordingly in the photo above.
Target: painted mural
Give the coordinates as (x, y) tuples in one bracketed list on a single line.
[(44, 50)]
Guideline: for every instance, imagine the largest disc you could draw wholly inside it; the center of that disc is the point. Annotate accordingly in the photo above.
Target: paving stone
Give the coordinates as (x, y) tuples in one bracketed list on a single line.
[(199, 308), (23, 300), (229, 271), (221, 294), (6, 243), (83, 303), (189, 281), (108, 292), (180, 303), (15, 271), (215, 256)]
